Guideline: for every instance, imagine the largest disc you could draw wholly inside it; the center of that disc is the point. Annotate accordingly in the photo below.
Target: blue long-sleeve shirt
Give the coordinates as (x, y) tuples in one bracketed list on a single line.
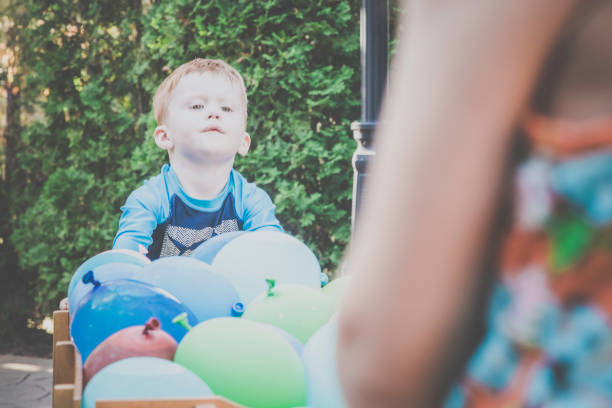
[(160, 216)]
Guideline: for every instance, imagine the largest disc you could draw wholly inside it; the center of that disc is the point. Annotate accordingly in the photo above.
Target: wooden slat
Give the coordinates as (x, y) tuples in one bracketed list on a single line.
[(61, 326), (78, 379), (62, 395), (61, 333), (212, 402), (63, 363)]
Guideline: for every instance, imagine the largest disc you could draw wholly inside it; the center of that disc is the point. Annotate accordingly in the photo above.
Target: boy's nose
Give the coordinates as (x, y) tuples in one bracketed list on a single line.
[(213, 115)]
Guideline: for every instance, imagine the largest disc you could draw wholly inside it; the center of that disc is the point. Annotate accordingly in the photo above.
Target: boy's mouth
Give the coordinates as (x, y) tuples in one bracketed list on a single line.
[(212, 128)]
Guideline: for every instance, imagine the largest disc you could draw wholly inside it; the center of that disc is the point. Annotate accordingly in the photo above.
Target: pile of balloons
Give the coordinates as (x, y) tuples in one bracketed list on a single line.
[(243, 317)]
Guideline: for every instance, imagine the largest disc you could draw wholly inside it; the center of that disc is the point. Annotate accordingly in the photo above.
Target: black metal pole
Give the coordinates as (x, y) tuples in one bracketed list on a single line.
[(374, 27)]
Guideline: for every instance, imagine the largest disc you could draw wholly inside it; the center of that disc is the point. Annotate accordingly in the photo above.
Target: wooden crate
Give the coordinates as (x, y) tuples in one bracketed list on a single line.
[(68, 378)]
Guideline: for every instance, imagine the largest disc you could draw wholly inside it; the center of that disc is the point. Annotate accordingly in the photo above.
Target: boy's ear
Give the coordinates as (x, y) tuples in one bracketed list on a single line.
[(162, 139), (243, 149)]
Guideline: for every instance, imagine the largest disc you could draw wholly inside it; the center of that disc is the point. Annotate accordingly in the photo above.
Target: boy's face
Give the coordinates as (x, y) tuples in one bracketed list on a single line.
[(205, 121)]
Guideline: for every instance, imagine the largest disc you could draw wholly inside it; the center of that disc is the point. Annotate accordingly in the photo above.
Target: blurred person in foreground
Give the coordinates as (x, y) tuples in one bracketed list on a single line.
[(486, 280)]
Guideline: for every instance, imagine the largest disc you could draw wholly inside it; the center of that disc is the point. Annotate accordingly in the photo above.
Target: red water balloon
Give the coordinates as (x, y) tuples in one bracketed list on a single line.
[(134, 341)]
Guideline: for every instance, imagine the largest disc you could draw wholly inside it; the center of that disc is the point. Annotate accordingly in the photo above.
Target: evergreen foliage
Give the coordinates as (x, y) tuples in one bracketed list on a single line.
[(88, 70)]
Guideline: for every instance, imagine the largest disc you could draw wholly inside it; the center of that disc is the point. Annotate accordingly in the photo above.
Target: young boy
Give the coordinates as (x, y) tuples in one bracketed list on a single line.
[(201, 112)]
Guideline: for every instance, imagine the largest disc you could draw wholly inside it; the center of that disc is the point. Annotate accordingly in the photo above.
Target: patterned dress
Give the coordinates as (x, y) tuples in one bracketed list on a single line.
[(549, 327)]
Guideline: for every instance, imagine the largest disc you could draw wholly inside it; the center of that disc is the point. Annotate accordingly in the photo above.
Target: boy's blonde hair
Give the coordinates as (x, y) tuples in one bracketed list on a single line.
[(198, 65)]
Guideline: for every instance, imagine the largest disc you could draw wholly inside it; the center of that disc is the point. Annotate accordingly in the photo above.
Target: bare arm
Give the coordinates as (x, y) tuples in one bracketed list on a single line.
[(463, 73)]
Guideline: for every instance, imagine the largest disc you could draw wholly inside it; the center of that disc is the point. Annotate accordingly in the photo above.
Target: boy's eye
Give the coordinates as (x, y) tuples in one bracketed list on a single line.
[(197, 106), (226, 109)]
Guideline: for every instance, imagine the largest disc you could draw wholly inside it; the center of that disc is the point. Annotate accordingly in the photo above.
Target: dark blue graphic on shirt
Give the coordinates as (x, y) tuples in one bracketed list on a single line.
[(186, 228)]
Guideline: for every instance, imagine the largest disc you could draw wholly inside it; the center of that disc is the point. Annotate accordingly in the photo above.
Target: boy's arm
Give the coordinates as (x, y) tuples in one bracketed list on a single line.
[(462, 74), (258, 210), (139, 219)]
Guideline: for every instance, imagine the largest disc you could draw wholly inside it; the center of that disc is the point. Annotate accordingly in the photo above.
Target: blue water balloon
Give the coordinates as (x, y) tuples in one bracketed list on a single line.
[(208, 249), (143, 377), (103, 273), (117, 304), (113, 255), (206, 293), (319, 358), (248, 260)]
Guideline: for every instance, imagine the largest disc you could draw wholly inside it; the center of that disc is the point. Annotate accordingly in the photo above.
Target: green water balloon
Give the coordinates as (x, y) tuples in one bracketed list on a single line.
[(297, 309), (336, 289), (245, 362)]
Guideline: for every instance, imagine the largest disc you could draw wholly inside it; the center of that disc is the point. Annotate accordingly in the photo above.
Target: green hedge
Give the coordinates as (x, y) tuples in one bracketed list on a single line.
[(87, 71)]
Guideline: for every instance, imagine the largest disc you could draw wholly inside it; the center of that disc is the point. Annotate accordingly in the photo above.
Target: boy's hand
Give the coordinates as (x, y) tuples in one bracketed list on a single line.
[(63, 304)]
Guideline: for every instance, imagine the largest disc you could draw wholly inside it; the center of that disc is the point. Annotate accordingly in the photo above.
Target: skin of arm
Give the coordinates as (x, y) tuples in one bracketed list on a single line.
[(462, 74)]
